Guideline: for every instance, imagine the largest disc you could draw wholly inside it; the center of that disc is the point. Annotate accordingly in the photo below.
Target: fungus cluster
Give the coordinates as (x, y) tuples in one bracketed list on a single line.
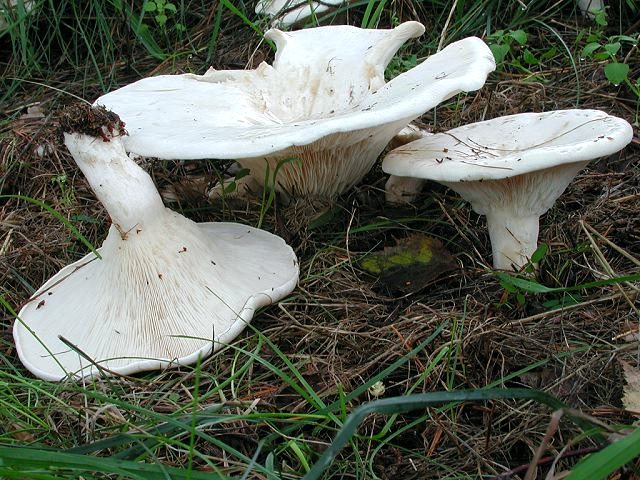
[(163, 290), (320, 117)]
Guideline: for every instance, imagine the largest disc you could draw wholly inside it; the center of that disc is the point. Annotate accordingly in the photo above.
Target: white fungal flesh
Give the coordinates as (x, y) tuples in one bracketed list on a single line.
[(288, 12), (513, 207), (401, 190), (165, 291), (328, 107), (513, 168)]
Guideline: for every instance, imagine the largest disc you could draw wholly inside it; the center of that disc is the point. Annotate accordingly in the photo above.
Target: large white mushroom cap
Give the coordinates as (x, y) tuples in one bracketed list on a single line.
[(165, 291), (513, 168), (324, 101)]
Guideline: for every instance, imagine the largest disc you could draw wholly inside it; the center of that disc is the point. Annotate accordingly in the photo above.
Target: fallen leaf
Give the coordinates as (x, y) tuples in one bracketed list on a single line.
[(631, 397), (410, 265)]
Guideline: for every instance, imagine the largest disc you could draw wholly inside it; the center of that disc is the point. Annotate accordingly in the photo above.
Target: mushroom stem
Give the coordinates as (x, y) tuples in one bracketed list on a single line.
[(125, 189), (513, 238), (402, 190)]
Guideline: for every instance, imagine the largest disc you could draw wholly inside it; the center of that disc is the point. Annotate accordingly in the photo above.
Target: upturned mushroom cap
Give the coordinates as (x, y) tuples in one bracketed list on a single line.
[(164, 291), (327, 107), (512, 168)]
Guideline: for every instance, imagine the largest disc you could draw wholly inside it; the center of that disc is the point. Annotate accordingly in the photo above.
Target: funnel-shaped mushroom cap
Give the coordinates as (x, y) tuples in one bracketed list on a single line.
[(324, 101), (293, 11), (164, 291), (512, 168)]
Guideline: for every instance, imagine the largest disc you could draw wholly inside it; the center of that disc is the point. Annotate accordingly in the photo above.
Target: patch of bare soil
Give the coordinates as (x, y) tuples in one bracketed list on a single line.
[(340, 327)]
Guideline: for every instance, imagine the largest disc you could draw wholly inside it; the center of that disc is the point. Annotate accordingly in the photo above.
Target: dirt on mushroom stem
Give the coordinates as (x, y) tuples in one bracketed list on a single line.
[(97, 122)]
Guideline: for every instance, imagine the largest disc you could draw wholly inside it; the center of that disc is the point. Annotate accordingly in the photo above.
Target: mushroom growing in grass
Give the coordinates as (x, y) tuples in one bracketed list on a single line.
[(288, 12), (513, 168), (163, 291), (320, 116)]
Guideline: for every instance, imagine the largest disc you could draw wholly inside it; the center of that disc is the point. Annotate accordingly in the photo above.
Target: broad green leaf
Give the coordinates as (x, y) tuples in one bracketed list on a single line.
[(612, 48), (549, 54), (622, 38), (243, 172), (519, 36), (530, 58), (601, 18), (593, 37), (616, 73), (589, 48), (499, 51), (149, 6), (230, 187)]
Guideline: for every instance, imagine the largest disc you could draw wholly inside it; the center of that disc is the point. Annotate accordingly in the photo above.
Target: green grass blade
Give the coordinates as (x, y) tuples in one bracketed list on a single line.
[(599, 465), (66, 222), (24, 459), (569, 55), (367, 13), (373, 21), (233, 9), (216, 32), (419, 401), (535, 287)]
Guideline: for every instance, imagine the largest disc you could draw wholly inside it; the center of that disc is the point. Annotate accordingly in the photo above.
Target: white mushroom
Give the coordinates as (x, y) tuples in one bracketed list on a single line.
[(288, 12), (400, 190), (321, 116), (164, 291), (513, 168)]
